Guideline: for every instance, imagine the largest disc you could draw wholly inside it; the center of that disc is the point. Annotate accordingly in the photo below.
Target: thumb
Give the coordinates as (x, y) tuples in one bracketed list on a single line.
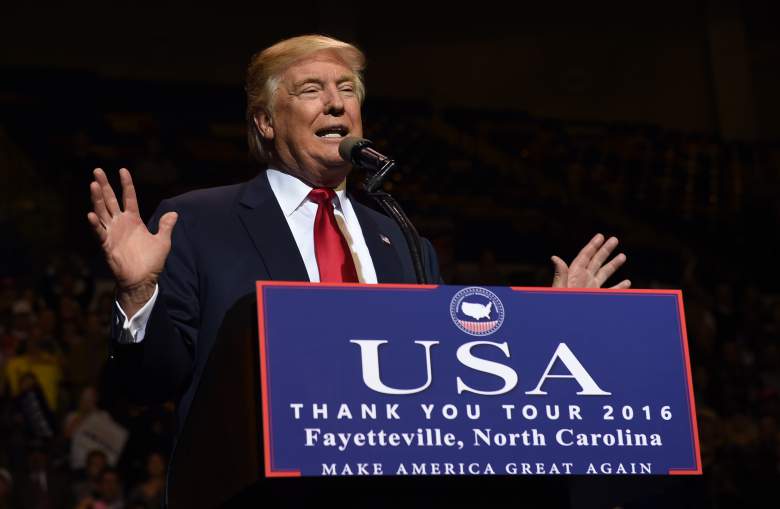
[(561, 276), (167, 222)]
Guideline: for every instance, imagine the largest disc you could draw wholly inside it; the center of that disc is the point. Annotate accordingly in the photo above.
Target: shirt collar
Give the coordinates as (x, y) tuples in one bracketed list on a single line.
[(291, 192)]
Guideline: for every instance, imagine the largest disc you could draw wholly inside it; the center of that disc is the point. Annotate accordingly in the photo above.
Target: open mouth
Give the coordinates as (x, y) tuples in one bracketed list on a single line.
[(332, 132)]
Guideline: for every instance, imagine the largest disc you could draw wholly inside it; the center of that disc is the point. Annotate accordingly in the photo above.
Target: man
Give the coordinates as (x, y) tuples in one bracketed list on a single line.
[(204, 250), (109, 493), (43, 485)]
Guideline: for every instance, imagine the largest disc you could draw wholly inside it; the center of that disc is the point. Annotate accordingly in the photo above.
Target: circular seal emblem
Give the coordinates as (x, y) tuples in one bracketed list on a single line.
[(477, 311)]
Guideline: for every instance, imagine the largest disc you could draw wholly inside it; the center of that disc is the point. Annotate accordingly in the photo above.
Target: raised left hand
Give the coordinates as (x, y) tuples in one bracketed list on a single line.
[(588, 269)]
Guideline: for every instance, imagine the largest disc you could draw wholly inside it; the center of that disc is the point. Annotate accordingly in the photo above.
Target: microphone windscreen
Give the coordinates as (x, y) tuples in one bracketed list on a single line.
[(348, 144)]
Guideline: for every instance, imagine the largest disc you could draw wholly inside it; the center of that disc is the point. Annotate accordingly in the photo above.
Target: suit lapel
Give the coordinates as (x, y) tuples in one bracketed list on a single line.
[(266, 225), (383, 255)]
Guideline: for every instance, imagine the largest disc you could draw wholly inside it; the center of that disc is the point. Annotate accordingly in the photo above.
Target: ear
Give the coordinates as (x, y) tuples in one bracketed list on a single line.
[(264, 124)]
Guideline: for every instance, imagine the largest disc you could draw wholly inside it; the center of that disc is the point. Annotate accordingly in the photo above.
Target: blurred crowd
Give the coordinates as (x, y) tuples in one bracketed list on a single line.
[(496, 192), (66, 441)]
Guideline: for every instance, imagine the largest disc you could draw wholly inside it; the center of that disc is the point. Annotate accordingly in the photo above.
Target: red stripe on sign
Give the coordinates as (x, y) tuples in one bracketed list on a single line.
[(478, 327)]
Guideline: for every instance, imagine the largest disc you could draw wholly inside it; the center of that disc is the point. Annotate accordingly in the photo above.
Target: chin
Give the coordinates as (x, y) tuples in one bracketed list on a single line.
[(335, 173), (341, 169)]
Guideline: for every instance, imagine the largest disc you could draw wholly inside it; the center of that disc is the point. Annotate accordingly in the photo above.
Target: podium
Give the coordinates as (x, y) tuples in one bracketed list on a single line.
[(219, 459)]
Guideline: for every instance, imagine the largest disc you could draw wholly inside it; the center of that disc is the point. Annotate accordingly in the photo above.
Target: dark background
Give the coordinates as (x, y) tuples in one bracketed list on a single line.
[(522, 132)]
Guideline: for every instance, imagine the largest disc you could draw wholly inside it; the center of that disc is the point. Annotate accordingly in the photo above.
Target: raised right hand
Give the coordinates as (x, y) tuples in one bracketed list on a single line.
[(135, 256)]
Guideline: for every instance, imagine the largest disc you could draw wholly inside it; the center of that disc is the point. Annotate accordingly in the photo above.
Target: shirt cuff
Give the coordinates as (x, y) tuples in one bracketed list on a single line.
[(133, 329)]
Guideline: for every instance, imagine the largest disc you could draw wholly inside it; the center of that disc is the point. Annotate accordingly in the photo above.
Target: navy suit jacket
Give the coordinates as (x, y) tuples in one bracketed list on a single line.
[(226, 238)]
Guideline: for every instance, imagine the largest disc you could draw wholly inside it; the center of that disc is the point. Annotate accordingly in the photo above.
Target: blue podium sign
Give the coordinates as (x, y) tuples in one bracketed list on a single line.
[(445, 380)]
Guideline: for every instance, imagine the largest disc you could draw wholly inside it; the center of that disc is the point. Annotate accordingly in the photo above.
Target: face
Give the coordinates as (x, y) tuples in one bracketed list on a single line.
[(47, 321), (37, 460), (28, 382), (88, 401), (95, 464), (110, 487), (155, 465), (315, 107)]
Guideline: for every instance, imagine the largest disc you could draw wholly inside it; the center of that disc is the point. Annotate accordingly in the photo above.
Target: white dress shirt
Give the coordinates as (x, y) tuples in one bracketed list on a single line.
[(299, 211)]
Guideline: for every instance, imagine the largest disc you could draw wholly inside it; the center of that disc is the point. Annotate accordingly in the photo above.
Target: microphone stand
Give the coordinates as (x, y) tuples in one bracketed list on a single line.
[(372, 185)]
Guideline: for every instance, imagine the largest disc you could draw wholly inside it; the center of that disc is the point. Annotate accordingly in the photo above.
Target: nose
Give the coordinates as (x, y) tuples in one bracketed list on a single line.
[(333, 102)]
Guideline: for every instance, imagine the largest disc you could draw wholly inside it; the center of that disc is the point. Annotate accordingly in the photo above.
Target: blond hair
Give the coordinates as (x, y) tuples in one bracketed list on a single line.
[(266, 68)]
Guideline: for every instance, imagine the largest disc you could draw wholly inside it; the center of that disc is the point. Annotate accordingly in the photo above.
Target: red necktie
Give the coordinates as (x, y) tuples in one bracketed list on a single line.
[(330, 248)]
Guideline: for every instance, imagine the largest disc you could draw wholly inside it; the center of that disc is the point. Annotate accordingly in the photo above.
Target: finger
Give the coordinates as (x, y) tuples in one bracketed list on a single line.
[(98, 204), (602, 254), (561, 277), (587, 252), (129, 199), (623, 285), (167, 222), (100, 231), (608, 269), (112, 205)]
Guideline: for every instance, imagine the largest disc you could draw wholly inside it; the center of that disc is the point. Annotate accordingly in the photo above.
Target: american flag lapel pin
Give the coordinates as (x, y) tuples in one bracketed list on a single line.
[(384, 239)]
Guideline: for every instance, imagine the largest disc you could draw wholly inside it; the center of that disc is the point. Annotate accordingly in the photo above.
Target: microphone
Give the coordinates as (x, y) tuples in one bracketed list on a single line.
[(359, 152)]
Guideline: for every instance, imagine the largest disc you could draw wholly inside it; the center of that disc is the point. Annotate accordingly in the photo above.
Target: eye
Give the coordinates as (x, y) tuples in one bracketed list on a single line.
[(347, 88), (309, 90)]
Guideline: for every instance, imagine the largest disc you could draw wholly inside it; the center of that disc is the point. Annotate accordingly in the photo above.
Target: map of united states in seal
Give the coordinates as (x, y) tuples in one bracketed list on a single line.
[(477, 311)]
